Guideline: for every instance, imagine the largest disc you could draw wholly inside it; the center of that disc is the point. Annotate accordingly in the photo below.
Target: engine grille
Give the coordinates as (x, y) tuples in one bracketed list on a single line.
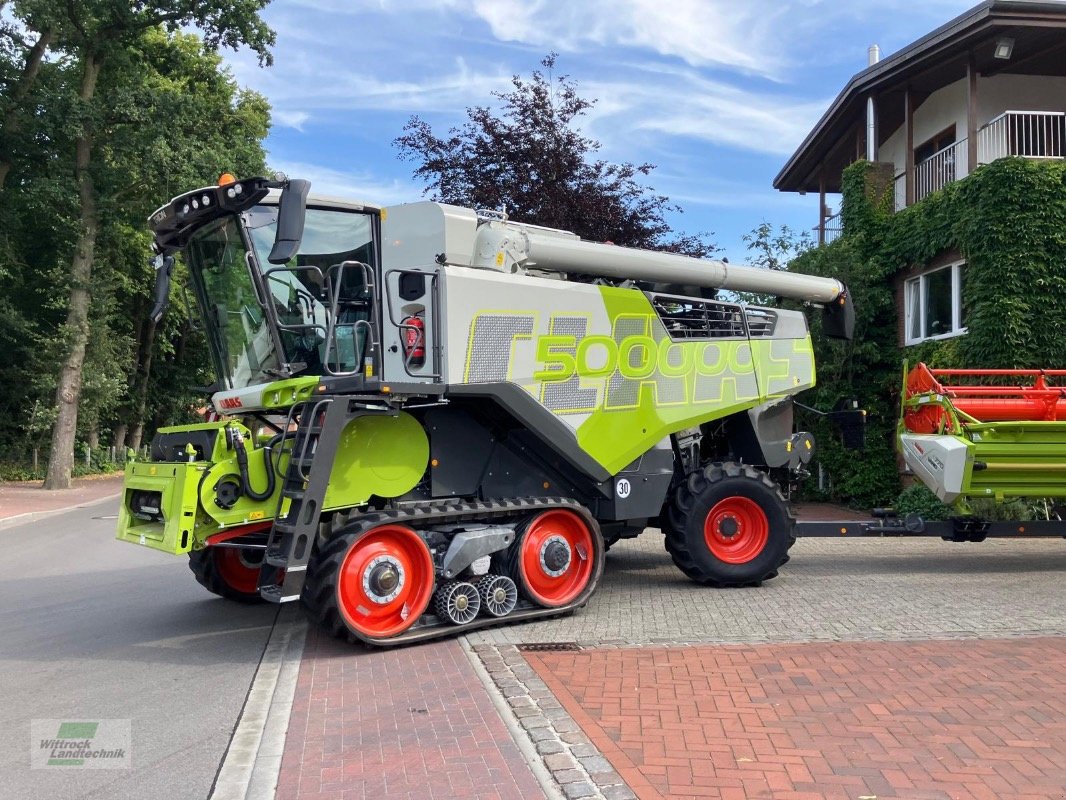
[(692, 318)]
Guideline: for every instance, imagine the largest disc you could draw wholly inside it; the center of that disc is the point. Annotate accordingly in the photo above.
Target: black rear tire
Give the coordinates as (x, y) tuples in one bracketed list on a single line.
[(206, 569), (719, 487)]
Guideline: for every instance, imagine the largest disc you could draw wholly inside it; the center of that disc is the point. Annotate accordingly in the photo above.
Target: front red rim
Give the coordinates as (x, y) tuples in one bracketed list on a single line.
[(554, 529), (378, 615), (237, 571), (736, 530)]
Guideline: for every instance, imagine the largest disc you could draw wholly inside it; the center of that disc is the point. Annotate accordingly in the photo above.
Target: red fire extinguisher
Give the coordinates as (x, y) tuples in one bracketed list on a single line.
[(414, 340)]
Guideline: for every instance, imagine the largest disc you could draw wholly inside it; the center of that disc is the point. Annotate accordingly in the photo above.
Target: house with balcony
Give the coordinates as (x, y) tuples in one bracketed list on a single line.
[(946, 160), (987, 86)]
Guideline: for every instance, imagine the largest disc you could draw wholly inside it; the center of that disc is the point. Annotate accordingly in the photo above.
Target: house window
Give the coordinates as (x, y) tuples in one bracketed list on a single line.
[(933, 304), (924, 151)]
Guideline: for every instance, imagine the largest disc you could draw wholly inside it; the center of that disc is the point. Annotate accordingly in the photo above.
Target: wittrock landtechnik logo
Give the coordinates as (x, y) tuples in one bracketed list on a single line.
[(100, 744)]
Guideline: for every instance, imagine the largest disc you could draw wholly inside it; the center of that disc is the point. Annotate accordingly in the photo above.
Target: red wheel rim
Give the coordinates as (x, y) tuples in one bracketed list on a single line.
[(736, 530), (372, 608), (237, 571), (549, 579)]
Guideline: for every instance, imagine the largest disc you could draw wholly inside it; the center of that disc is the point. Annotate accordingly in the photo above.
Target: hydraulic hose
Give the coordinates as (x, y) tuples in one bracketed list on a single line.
[(242, 467)]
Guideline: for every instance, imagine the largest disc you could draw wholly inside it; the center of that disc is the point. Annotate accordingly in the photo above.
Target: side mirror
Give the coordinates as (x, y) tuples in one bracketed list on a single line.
[(290, 231), (838, 317), (163, 266)]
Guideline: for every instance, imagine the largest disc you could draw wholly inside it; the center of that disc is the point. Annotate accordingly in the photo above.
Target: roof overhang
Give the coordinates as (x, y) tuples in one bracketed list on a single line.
[(934, 61)]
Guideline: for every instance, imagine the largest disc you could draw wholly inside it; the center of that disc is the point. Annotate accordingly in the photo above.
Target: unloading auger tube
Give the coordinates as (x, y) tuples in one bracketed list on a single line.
[(526, 247)]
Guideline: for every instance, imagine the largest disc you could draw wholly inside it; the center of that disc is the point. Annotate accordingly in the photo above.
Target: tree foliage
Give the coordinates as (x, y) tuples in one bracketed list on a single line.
[(124, 109), (529, 157)]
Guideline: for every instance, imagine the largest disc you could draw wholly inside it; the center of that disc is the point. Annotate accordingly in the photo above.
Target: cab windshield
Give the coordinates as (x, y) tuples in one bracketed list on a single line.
[(246, 347)]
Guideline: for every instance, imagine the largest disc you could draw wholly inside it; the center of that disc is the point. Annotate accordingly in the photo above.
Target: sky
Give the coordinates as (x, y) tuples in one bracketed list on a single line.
[(716, 93)]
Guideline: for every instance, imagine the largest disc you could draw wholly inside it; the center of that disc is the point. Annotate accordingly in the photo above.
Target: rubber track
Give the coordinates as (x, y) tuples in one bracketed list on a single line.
[(676, 518), (320, 592)]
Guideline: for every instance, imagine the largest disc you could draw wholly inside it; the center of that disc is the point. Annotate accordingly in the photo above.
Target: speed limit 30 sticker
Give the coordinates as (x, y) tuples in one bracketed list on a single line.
[(623, 488)]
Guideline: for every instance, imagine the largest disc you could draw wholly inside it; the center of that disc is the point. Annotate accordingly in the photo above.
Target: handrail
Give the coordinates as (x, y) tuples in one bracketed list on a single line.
[(1029, 134)]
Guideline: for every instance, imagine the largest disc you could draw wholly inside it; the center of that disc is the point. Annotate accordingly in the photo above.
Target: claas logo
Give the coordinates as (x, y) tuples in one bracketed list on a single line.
[(230, 403)]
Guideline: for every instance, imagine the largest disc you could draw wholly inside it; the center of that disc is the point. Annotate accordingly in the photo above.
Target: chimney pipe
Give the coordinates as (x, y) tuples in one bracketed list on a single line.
[(873, 56)]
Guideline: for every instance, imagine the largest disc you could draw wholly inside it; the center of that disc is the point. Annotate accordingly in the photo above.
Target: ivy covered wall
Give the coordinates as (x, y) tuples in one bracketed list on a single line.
[(1008, 221)]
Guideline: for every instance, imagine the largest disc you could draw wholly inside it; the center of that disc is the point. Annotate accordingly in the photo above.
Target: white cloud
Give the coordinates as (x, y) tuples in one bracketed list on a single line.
[(321, 79), (757, 37), (716, 92), (291, 119), (727, 33), (681, 103)]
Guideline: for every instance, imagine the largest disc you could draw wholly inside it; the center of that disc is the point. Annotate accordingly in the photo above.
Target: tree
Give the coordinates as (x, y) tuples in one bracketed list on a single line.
[(96, 34), (774, 249), (529, 158), (167, 141)]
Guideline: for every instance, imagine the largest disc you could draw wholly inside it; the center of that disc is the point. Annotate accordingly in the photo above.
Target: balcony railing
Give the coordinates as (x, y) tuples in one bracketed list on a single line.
[(1029, 134), (829, 230), (940, 169)]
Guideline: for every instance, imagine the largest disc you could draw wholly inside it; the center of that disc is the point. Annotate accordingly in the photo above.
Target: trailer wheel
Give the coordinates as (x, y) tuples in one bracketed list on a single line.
[(230, 572), (729, 525), (371, 585)]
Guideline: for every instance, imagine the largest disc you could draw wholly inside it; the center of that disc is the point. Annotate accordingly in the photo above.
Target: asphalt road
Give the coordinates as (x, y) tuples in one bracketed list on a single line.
[(92, 628)]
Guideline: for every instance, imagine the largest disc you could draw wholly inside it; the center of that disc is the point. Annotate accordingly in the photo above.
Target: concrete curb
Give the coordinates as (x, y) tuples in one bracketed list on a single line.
[(252, 762), (33, 516), (558, 744), (526, 747)]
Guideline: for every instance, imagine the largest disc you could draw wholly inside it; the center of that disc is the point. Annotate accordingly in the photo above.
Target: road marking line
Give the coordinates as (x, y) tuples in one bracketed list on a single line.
[(33, 516), (252, 762)]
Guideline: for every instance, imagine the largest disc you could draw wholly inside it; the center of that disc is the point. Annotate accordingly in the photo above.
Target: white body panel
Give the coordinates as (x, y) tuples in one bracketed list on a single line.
[(416, 234), (940, 462)]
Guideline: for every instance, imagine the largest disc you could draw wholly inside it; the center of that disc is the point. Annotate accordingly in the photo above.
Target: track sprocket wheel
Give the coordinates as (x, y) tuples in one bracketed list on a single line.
[(729, 525), (230, 572), (371, 585), (556, 558)]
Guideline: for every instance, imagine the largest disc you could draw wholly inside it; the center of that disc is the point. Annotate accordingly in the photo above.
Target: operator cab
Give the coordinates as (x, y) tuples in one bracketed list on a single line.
[(277, 301)]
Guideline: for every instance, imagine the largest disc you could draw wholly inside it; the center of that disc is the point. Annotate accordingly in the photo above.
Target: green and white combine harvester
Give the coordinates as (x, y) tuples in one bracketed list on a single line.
[(437, 419)]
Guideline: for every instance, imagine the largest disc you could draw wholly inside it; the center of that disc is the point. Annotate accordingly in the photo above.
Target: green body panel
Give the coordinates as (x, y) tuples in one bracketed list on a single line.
[(378, 455), (384, 456), (245, 510), (180, 506), (1023, 459), (660, 386), (283, 394)]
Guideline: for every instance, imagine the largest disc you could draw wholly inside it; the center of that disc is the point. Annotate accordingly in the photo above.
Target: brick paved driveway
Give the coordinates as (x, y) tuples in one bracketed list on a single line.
[(959, 719), (414, 723), (899, 668)]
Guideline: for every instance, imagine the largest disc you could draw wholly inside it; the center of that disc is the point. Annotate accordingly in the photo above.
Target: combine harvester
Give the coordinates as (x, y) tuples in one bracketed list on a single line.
[(438, 419), (967, 434)]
